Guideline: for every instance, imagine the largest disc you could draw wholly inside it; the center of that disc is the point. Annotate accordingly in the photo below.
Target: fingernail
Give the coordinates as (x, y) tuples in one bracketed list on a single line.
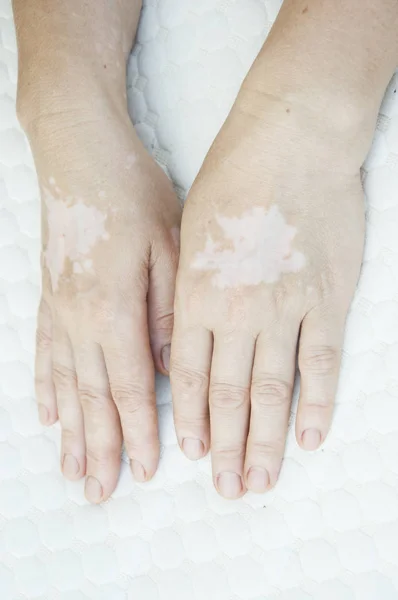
[(93, 490), (229, 485), (193, 449), (43, 414), (70, 466), (138, 471), (311, 439), (166, 357), (257, 480)]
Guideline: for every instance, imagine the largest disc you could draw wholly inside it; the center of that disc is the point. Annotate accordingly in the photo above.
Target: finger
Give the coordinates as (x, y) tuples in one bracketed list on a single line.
[(191, 351), (162, 277), (271, 393), (229, 399), (45, 392), (101, 423), (320, 345), (131, 375), (73, 452)]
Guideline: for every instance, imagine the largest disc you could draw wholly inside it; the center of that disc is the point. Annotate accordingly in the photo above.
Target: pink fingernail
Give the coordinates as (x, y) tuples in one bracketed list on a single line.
[(193, 449), (166, 357), (93, 490), (257, 480), (138, 471), (311, 439), (229, 485), (43, 414), (70, 466)]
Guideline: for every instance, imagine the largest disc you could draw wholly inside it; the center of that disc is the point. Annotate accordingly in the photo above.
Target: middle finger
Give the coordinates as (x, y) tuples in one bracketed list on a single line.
[(229, 399), (101, 422)]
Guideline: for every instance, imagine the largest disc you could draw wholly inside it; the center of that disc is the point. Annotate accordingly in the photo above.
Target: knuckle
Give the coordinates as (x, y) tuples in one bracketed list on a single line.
[(164, 323), (64, 378), (99, 457), (228, 453), (189, 380), (69, 436), (130, 397), (319, 360), (226, 396), (197, 421), (268, 449), (269, 391), (318, 406), (90, 397)]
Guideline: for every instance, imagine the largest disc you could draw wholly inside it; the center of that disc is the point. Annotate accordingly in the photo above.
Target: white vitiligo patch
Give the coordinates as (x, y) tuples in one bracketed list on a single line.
[(73, 231), (259, 250)]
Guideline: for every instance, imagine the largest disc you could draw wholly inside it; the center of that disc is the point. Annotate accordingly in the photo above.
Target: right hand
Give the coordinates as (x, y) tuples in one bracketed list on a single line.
[(110, 251)]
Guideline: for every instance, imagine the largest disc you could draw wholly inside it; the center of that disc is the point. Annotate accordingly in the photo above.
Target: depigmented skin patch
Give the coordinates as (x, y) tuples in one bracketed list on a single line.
[(261, 250), (73, 230)]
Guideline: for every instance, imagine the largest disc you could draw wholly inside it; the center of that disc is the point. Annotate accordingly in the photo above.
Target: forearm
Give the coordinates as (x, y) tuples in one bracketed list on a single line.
[(72, 54), (337, 53)]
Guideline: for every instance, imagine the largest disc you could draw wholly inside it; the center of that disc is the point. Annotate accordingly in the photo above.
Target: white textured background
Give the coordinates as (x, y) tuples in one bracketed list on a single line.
[(329, 531)]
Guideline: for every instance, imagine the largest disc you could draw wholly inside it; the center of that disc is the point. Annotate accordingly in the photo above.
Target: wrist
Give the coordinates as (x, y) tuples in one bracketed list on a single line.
[(71, 75), (55, 96), (347, 102), (299, 98)]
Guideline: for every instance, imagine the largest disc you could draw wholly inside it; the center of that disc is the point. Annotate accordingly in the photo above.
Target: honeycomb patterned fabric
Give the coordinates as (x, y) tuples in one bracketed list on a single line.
[(329, 531)]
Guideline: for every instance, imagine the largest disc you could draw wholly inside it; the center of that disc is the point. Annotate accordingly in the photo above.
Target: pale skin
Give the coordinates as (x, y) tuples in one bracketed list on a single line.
[(271, 241), (110, 240)]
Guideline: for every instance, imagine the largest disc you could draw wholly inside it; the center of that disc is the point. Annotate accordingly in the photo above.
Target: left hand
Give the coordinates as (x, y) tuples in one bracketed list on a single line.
[(271, 249)]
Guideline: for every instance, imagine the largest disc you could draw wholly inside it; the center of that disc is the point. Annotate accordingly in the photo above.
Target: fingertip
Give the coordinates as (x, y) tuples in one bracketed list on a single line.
[(93, 490), (160, 342), (230, 485), (138, 471), (47, 417), (257, 480), (310, 439), (44, 415), (165, 357), (72, 468), (194, 449)]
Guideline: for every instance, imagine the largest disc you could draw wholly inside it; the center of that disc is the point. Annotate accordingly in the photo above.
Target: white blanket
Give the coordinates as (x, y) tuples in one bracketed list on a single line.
[(329, 531)]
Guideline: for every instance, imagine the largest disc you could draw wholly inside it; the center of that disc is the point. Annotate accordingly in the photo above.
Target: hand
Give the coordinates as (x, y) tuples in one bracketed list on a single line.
[(271, 248), (110, 250)]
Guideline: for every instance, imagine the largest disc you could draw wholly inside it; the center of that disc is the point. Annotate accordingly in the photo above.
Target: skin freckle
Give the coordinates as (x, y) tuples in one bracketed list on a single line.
[(305, 10)]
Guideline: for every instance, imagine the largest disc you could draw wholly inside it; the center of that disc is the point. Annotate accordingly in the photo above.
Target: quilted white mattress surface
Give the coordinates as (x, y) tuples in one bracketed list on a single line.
[(329, 531)]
